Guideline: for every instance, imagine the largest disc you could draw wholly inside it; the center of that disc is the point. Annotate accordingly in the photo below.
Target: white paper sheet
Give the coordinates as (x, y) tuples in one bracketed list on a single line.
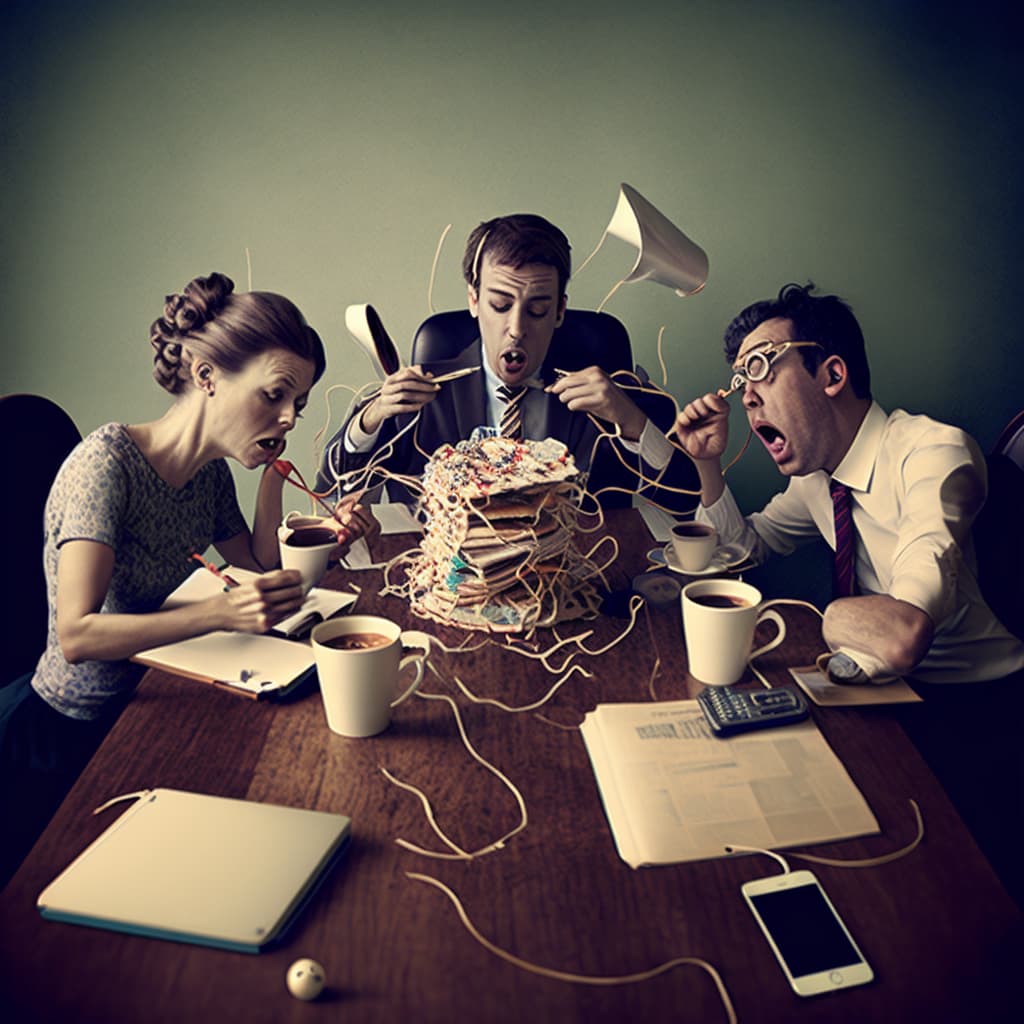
[(251, 662)]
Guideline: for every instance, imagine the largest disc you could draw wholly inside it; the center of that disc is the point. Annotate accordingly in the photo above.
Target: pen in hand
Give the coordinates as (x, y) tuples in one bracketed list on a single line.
[(223, 576)]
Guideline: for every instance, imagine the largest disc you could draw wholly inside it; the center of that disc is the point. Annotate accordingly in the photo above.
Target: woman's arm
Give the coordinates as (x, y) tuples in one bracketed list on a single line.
[(257, 550), (84, 571), (269, 512)]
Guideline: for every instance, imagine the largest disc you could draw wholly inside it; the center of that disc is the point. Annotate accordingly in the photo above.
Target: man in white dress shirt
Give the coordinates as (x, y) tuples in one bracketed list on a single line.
[(915, 486), (909, 602)]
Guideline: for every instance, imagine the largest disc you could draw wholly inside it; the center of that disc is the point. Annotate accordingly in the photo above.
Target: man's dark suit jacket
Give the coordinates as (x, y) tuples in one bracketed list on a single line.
[(461, 406)]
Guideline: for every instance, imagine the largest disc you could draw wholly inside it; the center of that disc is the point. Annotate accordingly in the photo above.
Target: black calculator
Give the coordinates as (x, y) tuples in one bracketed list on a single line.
[(729, 711)]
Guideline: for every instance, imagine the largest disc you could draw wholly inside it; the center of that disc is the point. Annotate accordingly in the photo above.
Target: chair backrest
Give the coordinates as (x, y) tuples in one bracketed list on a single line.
[(40, 435), (586, 338), (997, 534), (1011, 441)]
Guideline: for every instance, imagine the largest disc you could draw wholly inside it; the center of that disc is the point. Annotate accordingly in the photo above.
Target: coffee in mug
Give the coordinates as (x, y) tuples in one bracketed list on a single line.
[(311, 537), (721, 601), (357, 641)]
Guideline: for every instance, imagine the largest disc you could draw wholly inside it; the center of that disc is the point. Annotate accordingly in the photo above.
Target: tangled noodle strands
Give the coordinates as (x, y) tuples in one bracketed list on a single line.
[(567, 976), (458, 853)]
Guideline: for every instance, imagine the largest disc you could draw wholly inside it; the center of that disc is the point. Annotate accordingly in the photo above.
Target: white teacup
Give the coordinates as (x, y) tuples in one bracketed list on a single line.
[(719, 619), (358, 660), (693, 544), (305, 543)]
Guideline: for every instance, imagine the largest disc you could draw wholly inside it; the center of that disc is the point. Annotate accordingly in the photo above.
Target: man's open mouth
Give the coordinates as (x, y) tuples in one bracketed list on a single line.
[(773, 438), (514, 359)]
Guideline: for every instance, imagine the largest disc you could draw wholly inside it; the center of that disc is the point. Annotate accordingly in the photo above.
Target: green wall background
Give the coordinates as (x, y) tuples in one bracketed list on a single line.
[(871, 147)]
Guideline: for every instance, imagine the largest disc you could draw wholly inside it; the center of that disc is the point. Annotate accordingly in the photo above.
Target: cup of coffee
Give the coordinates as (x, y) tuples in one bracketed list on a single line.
[(359, 659), (305, 543), (693, 544), (719, 619)]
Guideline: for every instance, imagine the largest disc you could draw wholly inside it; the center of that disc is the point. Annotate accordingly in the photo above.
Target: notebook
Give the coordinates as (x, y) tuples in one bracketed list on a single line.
[(254, 665), (197, 868)]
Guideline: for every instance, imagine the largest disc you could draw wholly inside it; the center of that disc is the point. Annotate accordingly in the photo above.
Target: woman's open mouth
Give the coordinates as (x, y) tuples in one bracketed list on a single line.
[(270, 444)]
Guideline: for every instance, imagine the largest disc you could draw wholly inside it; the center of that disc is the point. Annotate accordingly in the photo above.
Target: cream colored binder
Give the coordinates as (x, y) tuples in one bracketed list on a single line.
[(197, 868)]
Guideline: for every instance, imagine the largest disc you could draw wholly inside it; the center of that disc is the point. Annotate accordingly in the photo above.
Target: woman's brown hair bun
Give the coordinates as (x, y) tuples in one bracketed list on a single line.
[(202, 299), (207, 321)]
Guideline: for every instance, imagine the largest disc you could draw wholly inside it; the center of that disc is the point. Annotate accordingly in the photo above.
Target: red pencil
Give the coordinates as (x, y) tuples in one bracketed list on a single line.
[(228, 581)]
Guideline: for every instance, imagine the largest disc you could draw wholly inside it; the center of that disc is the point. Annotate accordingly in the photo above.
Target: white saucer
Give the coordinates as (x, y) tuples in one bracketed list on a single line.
[(727, 557)]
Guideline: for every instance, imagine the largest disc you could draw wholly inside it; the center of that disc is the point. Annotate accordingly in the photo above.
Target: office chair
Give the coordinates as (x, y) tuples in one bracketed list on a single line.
[(585, 338), (1011, 441), (997, 539), (43, 434)]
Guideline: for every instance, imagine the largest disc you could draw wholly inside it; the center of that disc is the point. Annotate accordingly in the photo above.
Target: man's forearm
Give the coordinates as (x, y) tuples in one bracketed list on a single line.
[(888, 634), (712, 483)]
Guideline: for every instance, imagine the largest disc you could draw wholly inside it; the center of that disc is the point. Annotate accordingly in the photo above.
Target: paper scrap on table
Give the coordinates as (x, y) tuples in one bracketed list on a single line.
[(394, 517), (658, 521), (825, 693)]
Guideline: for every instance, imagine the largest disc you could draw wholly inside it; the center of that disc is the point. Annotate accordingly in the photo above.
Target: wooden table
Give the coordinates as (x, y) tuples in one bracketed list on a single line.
[(942, 935)]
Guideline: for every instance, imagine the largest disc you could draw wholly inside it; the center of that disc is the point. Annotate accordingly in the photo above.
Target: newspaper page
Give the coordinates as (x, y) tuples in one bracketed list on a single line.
[(673, 792)]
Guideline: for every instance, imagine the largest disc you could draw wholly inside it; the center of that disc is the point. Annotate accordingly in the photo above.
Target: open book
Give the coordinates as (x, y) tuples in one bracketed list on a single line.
[(255, 665), (673, 792)]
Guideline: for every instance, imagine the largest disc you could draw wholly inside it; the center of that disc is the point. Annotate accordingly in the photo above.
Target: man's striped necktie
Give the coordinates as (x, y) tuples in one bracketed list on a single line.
[(511, 418), (846, 540)]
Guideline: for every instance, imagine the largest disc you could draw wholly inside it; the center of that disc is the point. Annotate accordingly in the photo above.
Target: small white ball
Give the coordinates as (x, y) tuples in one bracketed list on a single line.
[(305, 979)]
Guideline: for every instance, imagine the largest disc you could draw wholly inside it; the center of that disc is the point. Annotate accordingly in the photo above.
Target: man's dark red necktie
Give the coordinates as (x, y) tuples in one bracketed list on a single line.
[(842, 571)]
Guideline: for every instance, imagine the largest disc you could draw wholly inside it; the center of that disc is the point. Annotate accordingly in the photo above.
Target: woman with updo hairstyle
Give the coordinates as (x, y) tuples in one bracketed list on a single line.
[(129, 508)]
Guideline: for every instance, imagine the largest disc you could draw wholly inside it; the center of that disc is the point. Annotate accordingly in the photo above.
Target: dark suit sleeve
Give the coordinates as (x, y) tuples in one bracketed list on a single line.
[(401, 451), (339, 463)]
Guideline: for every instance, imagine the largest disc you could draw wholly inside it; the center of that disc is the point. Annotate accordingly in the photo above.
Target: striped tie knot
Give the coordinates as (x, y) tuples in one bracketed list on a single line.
[(843, 567), (511, 419)]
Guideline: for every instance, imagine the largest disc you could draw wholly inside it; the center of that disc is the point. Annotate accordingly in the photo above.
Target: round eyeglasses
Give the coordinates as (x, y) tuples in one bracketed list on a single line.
[(757, 364)]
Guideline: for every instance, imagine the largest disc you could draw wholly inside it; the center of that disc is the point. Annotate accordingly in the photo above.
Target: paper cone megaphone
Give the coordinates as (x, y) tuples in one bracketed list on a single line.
[(365, 326), (664, 253)]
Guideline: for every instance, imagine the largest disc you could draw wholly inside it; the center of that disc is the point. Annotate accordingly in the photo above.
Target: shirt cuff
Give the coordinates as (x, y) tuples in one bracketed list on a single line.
[(653, 447), (357, 439), (724, 515)]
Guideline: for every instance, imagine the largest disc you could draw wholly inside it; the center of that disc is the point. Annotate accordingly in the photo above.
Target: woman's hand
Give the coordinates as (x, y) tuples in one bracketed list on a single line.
[(353, 521), (258, 605)]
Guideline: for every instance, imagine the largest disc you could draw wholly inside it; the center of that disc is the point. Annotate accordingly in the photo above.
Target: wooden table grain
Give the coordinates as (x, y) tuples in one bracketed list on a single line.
[(942, 935)]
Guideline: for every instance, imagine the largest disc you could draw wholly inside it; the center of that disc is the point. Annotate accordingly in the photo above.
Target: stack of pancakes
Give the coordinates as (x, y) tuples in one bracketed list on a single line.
[(498, 542)]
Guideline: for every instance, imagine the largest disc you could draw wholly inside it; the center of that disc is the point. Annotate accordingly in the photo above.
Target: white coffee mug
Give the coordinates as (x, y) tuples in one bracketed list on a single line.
[(359, 659), (305, 543), (693, 544), (719, 619)]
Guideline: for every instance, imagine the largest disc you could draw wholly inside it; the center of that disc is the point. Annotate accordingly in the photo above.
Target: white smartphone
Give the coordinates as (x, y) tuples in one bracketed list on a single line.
[(809, 939)]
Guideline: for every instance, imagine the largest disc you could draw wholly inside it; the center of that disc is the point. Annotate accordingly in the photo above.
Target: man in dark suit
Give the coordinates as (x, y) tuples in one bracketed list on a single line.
[(516, 269)]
